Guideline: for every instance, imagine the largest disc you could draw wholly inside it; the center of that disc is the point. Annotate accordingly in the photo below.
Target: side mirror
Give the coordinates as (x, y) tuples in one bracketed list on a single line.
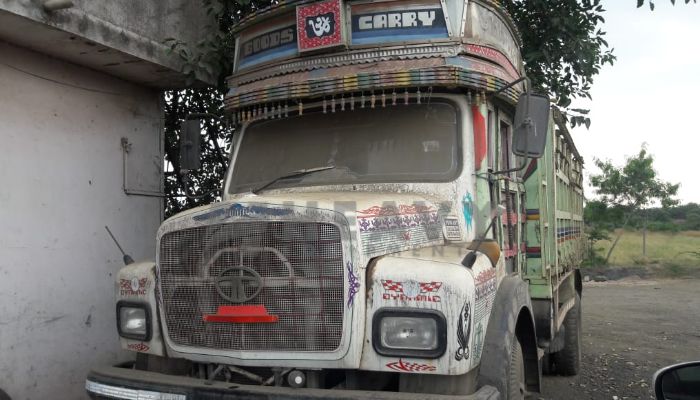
[(680, 381), (531, 124), (190, 136)]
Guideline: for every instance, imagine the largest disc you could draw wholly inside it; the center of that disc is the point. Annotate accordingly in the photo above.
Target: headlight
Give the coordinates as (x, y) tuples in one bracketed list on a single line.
[(409, 332), (134, 320)]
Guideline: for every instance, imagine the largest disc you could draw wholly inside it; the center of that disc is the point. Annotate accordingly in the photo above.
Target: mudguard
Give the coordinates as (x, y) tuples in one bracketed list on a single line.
[(511, 316)]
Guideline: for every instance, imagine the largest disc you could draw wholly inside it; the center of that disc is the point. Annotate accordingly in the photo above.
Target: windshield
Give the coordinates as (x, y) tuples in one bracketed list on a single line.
[(403, 143)]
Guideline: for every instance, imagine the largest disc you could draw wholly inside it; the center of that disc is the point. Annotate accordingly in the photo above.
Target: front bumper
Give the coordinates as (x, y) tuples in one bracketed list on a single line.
[(129, 384)]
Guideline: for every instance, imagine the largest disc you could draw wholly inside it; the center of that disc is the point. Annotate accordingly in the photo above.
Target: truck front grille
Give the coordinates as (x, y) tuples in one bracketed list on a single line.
[(301, 269)]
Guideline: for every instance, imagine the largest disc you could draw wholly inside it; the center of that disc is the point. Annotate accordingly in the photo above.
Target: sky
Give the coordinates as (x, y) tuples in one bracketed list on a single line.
[(651, 95)]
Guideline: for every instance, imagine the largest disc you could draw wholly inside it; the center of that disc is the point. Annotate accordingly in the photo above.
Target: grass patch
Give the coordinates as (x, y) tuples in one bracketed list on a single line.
[(672, 250)]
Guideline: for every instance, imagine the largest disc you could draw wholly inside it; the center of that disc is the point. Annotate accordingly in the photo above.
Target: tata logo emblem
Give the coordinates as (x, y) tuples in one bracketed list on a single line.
[(238, 284), (320, 26)]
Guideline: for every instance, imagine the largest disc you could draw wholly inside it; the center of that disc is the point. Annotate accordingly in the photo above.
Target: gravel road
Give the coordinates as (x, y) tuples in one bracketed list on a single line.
[(631, 328)]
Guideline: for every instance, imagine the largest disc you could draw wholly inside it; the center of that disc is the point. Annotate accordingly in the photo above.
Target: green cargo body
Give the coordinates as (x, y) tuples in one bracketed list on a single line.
[(554, 228)]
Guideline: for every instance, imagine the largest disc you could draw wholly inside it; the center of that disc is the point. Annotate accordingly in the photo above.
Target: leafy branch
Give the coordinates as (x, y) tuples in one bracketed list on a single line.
[(640, 3)]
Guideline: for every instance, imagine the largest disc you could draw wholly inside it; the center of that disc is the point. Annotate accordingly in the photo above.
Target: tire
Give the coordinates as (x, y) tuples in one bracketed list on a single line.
[(516, 373), (568, 360), (548, 364), (4, 396)]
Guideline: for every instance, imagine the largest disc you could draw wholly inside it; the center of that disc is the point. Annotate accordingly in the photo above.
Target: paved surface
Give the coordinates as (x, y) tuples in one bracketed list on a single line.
[(631, 328)]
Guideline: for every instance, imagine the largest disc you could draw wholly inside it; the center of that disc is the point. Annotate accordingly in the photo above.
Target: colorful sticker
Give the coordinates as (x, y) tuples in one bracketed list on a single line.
[(411, 291), (468, 210), (319, 25), (451, 229), (133, 287), (485, 283), (406, 366), (353, 284), (464, 326), (390, 218), (391, 228), (495, 56), (141, 347), (394, 210)]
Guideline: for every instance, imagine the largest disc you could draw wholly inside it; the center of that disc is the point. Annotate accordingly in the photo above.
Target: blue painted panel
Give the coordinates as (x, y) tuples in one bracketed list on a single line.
[(398, 26), (280, 43)]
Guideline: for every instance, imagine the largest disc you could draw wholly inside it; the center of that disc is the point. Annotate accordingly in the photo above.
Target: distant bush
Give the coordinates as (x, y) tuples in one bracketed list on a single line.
[(669, 219), (692, 221), (664, 227)]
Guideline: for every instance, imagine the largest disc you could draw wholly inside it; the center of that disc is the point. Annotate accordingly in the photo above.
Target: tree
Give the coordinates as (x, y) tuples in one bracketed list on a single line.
[(564, 48), (213, 54), (632, 187), (217, 135), (651, 3)]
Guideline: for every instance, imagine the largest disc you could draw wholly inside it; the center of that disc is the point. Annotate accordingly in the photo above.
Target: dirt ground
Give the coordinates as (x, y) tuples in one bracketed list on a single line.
[(631, 328)]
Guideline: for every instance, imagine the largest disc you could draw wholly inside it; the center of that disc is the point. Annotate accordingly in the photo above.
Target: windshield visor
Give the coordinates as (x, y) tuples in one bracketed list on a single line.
[(403, 143)]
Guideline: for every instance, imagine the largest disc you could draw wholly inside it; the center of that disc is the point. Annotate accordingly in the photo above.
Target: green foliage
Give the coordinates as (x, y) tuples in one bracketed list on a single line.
[(593, 259), (651, 3), (601, 214), (564, 47), (631, 188), (594, 234), (634, 185), (216, 137), (692, 221), (212, 54), (663, 248), (686, 217), (656, 226)]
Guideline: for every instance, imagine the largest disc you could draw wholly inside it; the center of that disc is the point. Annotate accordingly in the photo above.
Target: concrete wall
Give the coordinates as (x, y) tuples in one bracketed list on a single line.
[(125, 38), (60, 183)]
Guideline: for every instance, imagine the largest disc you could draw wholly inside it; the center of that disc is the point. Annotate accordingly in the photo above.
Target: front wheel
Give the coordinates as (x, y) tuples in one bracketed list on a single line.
[(567, 361), (516, 372)]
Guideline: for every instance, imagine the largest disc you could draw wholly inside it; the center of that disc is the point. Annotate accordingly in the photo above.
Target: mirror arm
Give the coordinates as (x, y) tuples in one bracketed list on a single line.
[(516, 169), (527, 159), (528, 84), (510, 85)]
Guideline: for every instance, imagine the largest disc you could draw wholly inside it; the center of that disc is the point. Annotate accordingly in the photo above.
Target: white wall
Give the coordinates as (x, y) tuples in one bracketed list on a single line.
[(60, 184)]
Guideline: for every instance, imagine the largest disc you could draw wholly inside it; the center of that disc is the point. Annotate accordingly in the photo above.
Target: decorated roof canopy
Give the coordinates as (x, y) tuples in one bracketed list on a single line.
[(295, 51)]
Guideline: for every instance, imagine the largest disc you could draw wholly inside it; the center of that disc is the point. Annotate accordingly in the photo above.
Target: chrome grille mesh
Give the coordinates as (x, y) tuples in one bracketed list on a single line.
[(301, 264)]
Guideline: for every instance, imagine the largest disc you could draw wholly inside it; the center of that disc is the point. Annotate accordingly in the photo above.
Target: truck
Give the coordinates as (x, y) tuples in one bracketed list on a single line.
[(401, 219)]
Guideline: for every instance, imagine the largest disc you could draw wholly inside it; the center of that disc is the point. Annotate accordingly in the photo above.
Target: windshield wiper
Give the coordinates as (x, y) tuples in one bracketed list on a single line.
[(300, 172)]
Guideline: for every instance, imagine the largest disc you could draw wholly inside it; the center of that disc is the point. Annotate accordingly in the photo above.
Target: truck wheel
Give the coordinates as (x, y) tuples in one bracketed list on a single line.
[(568, 360), (516, 372), (4, 396), (548, 364)]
